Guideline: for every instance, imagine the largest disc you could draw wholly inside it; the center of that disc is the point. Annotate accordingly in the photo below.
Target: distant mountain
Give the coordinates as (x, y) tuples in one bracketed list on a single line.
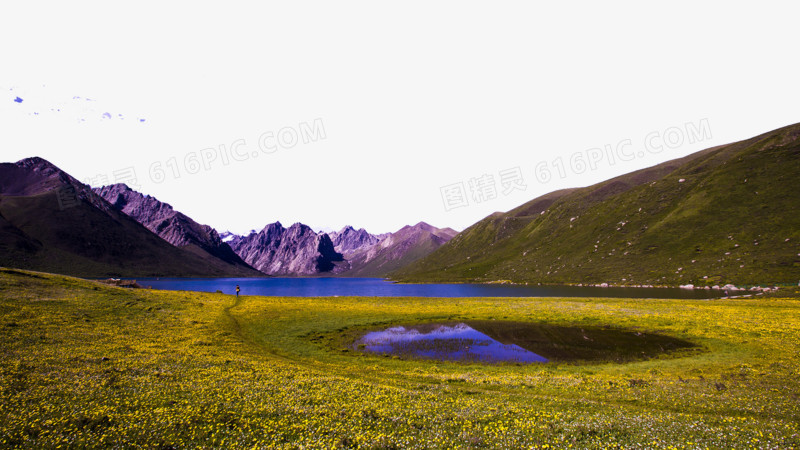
[(296, 250), (349, 240), (349, 252), (725, 214), (173, 226), (51, 222), (390, 252)]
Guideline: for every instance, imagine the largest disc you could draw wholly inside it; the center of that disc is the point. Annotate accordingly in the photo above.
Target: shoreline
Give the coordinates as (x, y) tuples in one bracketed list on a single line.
[(729, 287), (767, 287)]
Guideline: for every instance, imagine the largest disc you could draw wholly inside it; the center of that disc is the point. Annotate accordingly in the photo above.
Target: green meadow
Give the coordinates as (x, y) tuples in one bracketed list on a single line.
[(89, 365)]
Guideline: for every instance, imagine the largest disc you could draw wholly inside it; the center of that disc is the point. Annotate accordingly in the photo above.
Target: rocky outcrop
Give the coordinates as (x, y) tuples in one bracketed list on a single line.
[(296, 250), (173, 226)]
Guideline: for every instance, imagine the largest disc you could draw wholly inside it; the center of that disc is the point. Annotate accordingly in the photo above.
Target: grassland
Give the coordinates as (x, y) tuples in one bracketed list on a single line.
[(88, 365)]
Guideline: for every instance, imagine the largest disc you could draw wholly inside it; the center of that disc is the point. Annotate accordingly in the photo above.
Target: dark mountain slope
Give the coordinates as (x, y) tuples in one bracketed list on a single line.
[(53, 223), (725, 214)]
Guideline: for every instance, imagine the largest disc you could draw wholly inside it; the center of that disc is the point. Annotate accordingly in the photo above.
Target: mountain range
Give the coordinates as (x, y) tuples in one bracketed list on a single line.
[(49, 221), (298, 250), (373, 256), (725, 214)]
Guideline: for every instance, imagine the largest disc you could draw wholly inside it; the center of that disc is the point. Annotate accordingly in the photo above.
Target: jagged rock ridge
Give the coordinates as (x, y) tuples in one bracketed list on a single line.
[(350, 252), (296, 250), (173, 226)]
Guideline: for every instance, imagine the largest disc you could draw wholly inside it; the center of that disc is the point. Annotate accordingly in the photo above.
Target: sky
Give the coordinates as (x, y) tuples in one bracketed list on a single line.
[(383, 114)]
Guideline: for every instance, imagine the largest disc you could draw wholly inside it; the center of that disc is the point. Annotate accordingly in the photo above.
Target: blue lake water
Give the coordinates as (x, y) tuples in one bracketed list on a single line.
[(377, 287), (457, 342)]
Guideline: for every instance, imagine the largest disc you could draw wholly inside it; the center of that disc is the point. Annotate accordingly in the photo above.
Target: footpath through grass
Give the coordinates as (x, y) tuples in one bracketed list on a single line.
[(90, 365)]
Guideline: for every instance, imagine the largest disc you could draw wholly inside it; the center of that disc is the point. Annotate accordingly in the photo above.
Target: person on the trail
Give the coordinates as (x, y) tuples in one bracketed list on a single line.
[(237, 290)]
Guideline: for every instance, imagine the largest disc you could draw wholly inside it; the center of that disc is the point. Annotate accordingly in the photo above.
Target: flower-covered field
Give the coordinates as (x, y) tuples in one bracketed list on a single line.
[(85, 364)]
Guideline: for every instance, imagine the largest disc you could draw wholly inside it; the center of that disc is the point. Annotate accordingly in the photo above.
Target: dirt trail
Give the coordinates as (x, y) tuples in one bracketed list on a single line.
[(237, 328)]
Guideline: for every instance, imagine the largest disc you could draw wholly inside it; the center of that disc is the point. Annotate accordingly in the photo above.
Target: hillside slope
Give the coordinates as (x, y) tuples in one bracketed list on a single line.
[(51, 222), (725, 214)]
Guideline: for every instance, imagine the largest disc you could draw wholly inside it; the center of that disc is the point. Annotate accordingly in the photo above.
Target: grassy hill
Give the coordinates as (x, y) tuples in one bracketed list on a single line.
[(725, 214)]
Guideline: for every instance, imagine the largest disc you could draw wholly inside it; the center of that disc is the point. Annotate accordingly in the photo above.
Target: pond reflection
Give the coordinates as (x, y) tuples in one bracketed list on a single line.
[(452, 342), (491, 341)]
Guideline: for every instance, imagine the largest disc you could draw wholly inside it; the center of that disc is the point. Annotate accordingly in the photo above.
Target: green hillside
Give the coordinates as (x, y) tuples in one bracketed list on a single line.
[(725, 214)]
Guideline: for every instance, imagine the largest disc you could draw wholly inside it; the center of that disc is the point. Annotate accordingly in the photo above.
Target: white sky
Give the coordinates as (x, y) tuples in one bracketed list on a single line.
[(413, 96)]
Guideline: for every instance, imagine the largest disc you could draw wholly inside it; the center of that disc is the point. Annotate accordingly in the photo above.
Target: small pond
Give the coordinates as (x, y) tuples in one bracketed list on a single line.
[(492, 341)]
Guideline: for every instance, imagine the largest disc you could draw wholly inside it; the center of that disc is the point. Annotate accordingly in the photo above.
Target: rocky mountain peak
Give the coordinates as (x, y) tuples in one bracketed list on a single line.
[(272, 230), (31, 176), (296, 250), (424, 226), (348, 239), (300, 229), (38, 164)]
